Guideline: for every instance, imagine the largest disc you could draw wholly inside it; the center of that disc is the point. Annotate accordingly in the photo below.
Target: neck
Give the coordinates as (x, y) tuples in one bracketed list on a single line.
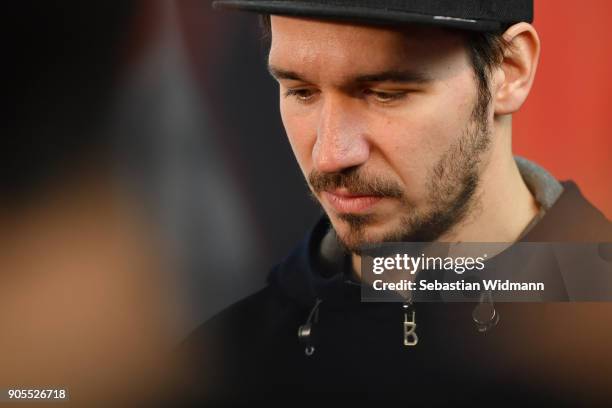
[(503, 205)]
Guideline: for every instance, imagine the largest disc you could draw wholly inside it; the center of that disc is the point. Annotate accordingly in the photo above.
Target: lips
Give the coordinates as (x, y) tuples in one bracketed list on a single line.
[(347, 203)]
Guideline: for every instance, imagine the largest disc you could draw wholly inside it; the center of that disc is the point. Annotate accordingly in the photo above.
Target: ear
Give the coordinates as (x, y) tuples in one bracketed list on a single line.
[(512, 80)]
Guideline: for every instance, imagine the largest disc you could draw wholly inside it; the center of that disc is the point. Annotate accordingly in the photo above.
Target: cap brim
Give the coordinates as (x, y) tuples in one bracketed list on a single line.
[(354, 13)]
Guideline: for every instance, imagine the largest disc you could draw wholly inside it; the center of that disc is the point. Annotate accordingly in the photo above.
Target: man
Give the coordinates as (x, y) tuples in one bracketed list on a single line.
[(400, 117)]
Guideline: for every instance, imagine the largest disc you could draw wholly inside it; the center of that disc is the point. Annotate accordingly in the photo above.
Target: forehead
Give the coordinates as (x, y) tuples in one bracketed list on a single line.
[(340, 49)]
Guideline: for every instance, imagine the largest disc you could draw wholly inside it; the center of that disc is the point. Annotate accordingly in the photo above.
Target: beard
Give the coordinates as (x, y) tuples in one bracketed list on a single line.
[(451, 188)]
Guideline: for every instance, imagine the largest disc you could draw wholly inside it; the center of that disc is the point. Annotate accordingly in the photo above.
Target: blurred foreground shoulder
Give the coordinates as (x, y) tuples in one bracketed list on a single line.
[(230, 355)]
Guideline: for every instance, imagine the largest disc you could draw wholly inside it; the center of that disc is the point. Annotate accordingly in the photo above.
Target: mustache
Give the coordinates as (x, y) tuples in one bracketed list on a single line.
[(356, 182)]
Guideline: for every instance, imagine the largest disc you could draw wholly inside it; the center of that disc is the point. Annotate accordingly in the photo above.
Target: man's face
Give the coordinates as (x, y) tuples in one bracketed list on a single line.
[(386, 125)]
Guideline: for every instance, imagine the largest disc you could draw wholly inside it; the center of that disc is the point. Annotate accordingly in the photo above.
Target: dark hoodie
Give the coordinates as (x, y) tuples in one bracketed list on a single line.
[(355, 351)]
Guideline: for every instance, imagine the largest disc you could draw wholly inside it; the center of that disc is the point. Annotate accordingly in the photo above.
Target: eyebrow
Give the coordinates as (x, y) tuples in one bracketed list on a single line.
[(279, 73), (395, 76)]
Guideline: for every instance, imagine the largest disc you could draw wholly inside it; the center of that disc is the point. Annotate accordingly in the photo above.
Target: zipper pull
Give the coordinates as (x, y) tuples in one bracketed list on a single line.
[(410, 337)]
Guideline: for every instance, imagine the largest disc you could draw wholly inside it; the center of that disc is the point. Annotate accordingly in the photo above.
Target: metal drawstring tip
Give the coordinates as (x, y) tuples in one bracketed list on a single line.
[(485, 316), (305, 330)]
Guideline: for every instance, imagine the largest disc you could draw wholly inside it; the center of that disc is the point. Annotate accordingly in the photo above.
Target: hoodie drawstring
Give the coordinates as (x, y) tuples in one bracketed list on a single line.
[(484, 314), (305, 330)]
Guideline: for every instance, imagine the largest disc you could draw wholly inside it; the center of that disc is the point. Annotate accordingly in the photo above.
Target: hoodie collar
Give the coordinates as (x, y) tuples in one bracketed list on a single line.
[(317, 268)]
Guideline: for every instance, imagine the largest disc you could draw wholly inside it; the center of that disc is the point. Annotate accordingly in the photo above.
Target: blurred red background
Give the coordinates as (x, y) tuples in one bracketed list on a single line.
[(564, 126)]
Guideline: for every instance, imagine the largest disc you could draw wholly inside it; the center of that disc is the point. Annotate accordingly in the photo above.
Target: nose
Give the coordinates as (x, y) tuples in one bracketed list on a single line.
[(341, 140)]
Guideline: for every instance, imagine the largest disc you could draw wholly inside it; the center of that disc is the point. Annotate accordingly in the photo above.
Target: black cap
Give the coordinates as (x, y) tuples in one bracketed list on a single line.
[(477, 15)]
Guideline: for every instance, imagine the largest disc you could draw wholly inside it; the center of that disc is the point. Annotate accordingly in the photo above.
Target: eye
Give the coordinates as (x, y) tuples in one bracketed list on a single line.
[(385, 97), (301, 95)]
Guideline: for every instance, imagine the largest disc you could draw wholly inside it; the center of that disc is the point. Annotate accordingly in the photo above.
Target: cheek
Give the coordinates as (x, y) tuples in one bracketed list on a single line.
[(414, 139)]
